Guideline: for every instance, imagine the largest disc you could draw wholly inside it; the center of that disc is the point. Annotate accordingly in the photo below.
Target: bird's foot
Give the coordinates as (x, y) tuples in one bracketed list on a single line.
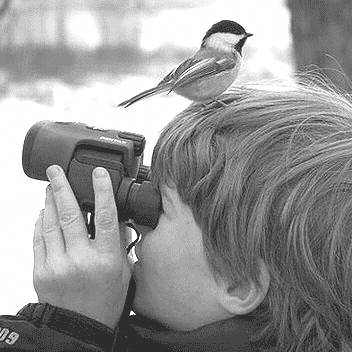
[(219, 102)]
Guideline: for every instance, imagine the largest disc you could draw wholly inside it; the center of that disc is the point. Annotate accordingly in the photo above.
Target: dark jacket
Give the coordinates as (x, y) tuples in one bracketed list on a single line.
[(42, 327)]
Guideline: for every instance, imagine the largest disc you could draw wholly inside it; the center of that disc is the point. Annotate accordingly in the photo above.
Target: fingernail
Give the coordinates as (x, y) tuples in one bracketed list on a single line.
[(99, 172), (52, 171)]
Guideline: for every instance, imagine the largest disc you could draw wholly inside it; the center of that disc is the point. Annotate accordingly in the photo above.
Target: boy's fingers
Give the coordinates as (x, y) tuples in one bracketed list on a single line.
[(51, 231), (69, 214), (106, 220)]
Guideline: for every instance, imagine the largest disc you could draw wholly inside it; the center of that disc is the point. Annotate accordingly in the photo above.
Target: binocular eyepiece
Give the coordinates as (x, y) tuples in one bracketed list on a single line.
[(78, 149)]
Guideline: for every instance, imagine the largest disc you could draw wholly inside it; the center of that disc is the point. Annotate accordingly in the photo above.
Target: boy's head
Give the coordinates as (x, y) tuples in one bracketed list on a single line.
[(267, 180)]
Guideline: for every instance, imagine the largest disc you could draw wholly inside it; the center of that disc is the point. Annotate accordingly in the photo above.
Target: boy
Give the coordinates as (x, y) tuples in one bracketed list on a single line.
[(251, 253)]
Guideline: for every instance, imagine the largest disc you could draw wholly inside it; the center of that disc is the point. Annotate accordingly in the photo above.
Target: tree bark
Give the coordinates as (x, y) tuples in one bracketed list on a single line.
[(322, 38), (4, 8)]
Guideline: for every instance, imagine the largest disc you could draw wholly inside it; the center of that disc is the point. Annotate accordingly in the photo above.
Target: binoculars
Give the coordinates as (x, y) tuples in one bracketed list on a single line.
[(78, 149)]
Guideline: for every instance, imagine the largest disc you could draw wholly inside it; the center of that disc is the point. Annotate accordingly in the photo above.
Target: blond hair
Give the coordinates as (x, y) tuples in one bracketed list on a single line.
[(268, 175)]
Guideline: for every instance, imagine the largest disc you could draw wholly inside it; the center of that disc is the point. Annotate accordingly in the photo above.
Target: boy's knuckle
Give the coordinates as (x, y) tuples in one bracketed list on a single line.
[(105, 219), (68, 217), (49, 232)]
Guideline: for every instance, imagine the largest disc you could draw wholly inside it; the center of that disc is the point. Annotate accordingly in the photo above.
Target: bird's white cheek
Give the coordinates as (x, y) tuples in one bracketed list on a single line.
[(223, 41)]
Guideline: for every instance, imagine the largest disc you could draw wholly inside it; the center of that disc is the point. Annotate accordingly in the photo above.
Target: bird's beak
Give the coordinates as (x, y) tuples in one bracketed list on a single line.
[(248, 35)]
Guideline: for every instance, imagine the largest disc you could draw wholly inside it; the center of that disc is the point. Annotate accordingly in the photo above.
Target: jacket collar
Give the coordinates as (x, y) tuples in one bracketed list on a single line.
[(229, 335)]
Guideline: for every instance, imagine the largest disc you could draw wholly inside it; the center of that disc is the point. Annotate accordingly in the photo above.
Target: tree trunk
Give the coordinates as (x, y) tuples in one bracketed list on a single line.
[(322, 38), (4, 8)]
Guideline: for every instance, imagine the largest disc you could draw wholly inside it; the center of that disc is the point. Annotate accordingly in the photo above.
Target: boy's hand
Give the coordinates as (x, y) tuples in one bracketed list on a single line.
[(71, 271)]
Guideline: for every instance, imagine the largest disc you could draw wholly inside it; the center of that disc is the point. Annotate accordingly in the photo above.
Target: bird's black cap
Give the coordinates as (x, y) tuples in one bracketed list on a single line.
[(225, 26)]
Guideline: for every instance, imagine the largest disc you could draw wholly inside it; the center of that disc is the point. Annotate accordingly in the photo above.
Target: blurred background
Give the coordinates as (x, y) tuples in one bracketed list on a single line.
[(75, 60)]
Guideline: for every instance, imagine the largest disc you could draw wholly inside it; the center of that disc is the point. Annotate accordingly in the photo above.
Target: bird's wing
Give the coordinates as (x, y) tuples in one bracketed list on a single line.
[(194, 69), (147, 93), (172, 76)]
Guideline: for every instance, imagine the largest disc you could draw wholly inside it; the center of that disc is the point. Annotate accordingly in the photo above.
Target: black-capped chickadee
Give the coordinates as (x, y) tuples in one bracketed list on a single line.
[(210, 71)]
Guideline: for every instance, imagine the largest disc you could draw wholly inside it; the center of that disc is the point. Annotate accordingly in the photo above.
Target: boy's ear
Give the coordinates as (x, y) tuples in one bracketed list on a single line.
[(244, 299)]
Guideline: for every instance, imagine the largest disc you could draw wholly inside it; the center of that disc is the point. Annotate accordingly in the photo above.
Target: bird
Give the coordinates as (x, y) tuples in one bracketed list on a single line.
[(210, 71)]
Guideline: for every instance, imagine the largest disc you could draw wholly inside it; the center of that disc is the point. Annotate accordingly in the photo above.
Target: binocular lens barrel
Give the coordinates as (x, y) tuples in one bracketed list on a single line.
[(143, 204)]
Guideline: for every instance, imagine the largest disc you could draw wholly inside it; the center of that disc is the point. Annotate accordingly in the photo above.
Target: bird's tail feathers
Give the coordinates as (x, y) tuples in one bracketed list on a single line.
[(147, 93)]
